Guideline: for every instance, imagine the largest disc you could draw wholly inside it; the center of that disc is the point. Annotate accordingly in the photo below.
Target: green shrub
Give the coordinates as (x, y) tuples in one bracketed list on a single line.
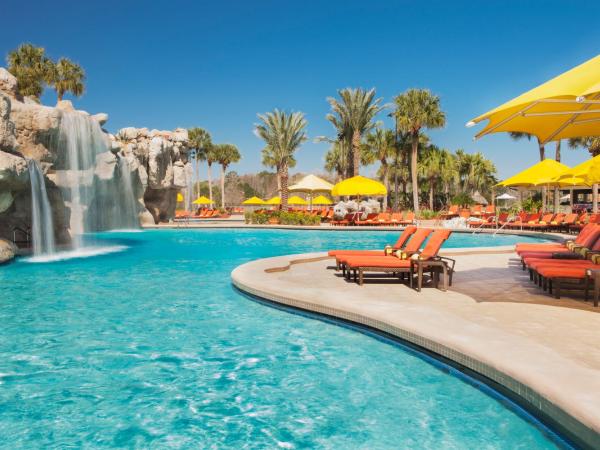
[(531, 205), (463, 199), (427, 214)]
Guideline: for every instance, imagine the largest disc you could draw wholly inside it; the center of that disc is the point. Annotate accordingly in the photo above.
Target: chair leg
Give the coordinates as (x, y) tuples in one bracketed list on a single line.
[(557, 289), (586, 288), (360, 277)]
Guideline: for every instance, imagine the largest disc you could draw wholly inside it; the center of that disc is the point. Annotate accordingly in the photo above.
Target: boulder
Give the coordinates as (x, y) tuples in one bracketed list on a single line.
[(8, 135), (101, 118), (8, 83), (8, 250), (65, 105), (14, 174)]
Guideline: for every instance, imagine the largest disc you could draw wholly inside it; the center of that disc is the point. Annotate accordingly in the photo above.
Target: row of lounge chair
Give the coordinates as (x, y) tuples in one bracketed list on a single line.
[(203, 213), (404, 258), (474, 211), (560, 222), (376, 219), (572, 265)]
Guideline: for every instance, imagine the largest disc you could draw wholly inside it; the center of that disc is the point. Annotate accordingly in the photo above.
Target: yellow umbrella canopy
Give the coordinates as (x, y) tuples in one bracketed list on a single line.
[(358, 185), (203, 201), (321, 200), (179, 197), (295, 200), (311, 183), (253, 201), (273, 201), (564, 107), (585, 174), (541, 173)]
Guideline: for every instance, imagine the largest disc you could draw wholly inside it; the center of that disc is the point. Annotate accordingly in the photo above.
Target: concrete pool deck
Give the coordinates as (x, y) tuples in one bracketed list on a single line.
[(492, 321)]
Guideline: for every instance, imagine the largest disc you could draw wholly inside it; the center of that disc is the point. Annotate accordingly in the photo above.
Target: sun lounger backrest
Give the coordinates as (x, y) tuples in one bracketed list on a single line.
[(547, 218), (417, 240), (490, 209), (409, 216), (571, 218), (502, 217), (406, 234), (434, 243), (585, 231), (591, 239), (453, 209)]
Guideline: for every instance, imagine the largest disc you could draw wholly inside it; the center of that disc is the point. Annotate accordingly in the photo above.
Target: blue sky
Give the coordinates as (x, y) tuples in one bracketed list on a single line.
[(217, 64)]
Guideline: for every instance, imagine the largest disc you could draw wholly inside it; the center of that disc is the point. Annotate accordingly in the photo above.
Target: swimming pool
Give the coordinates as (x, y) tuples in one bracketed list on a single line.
[(153, 347)]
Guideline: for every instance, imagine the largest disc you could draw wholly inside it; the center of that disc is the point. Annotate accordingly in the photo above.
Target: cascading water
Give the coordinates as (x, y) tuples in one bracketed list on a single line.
[(96, 202), (81, 139), (128, 216), (42, 228)]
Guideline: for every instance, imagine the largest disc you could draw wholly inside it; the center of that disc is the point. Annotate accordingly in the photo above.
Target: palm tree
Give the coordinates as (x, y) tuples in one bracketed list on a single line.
[(211, 157), (449, 172), (283, 134), (353, 116), (592, 144), (32, 69), (380, 145), (417, 109), (430, 168), (199, 140), (336, 160), (225, 154), (477, 173), (67, 76), (517, 135)]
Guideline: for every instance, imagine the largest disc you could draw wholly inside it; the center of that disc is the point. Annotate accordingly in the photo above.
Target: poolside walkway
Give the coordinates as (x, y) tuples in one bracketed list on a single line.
[(493, 321)]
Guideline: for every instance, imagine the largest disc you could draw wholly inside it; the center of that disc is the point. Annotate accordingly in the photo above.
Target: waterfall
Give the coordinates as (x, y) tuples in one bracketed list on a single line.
[(100, 196), (128, 217), (42, 228), (80, 140)]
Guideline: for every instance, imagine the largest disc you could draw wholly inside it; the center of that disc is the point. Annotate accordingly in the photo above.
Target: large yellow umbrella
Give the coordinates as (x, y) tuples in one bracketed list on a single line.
[(358, 185), (295, 200), (321, 200), (253, 201), (541, 173), (203, 201), (586, 173), (564, 107), (273, 201)]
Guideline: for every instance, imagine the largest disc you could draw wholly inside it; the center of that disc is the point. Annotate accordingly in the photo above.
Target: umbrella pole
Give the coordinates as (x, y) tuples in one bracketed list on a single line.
[(595, 198), (571, 199)]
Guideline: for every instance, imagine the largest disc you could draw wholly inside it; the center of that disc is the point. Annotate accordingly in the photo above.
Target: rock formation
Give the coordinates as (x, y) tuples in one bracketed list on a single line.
[(156, 162), (163, 166)]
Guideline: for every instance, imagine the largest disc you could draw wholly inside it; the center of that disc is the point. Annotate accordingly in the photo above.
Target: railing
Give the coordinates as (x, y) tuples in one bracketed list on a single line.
[(508, 220), (24, 233)]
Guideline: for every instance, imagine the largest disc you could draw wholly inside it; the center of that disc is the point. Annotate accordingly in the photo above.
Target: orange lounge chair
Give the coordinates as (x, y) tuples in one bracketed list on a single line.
[(520, 248), (409, 218), (452, 212), (416, 241), (402, 239), (396, 218), (369, 220), (361, 264)]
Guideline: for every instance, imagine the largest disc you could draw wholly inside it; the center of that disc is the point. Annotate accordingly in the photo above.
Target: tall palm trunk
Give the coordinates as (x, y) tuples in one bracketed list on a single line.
[(557, 152), (413, 171), (284, 188), (431, 189), (279, 181), (198, 177), (223, 167), (210, 193), (542, 150), (355, 152), (386, 183)]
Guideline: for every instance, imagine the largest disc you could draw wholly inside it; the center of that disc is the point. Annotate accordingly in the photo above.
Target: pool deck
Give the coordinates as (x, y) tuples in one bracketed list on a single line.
[(492, 321)]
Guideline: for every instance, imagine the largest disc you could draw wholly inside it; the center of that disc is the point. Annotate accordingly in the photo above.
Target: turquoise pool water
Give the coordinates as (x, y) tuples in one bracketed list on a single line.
[(151, 347)]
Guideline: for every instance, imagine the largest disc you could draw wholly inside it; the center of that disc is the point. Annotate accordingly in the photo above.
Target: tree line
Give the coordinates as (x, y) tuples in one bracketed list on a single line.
[(408, 161)]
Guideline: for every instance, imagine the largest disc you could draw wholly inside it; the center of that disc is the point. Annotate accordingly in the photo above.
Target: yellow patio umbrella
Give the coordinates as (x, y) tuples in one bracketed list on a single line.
[(542, 173), (585, 174), (358, 185), (564, 107), (179, 197), (203, 201), (321, 200), (253, 201), (273, 201), (295, 200)]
